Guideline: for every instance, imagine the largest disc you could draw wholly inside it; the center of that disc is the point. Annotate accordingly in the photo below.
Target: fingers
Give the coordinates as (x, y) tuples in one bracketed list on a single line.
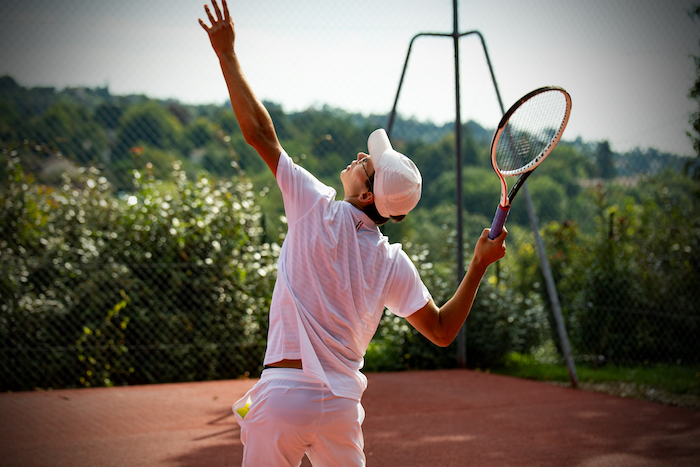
[(217, 10), (211, 18), (227, 16), (497, 245), (501, 237), (220, 17)]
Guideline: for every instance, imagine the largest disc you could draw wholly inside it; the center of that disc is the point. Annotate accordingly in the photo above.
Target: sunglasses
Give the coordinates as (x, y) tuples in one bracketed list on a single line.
[(363, 161)]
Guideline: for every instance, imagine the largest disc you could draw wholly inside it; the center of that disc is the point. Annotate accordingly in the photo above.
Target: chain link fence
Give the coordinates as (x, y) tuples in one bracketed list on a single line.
[(139, 239)]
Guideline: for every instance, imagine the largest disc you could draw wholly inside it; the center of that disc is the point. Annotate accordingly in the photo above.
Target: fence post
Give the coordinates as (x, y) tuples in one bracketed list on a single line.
[(551, 288), (549, 279)]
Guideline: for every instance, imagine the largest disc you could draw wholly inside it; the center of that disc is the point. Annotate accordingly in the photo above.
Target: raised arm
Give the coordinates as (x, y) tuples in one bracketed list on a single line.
[(253, 118), (441, 325)]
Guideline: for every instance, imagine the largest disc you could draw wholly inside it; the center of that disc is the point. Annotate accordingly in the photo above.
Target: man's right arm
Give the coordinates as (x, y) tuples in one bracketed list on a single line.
[(254, 120)]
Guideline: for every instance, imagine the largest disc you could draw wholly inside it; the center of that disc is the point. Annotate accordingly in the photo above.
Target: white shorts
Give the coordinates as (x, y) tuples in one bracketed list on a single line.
[(292, 414)]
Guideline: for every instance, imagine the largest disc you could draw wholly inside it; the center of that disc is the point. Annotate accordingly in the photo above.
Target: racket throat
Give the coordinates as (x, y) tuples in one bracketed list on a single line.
[(516, 187)]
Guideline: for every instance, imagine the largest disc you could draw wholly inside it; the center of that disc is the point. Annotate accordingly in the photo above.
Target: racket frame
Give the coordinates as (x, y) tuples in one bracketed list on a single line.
[(526, 170)]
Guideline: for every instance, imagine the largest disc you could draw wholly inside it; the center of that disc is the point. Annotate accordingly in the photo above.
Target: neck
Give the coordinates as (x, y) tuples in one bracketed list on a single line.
[(355, 202)]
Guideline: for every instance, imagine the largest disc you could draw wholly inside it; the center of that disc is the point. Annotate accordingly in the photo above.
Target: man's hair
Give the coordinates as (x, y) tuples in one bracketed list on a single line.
[(371, 209)]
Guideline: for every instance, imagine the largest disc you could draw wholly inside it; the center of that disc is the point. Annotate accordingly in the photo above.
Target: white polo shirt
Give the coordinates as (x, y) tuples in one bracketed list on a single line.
[(336, 274)]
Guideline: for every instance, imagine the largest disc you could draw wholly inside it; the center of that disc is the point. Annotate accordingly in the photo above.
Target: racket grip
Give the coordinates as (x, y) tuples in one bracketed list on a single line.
[(498, 220)]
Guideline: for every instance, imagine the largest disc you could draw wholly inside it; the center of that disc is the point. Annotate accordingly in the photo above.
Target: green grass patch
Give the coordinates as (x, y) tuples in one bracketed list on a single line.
[(675, 379)]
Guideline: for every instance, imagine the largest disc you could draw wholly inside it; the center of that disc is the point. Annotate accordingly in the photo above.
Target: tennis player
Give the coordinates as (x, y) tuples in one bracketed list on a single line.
[(336, 274)]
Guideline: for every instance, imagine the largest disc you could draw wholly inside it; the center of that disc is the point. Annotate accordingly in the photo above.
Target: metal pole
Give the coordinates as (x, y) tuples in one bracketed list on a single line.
[(392, 115), (551, 286), (462, 336)]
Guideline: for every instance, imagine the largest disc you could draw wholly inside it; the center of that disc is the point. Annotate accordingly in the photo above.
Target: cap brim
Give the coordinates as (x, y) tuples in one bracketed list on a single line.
[(378, 143)]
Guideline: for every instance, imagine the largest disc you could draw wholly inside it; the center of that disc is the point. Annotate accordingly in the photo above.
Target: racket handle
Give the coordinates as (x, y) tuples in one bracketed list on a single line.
[(498, 220)]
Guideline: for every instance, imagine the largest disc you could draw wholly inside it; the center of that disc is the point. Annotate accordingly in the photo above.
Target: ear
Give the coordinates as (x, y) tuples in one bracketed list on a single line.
[(366, 197)]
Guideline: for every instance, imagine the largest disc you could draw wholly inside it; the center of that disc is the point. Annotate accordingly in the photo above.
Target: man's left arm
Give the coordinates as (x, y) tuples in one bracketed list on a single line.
[(441, 325)]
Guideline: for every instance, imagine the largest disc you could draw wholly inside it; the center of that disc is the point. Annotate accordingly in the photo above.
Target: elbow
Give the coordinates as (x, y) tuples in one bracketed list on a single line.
[(260, 136), (442, 339), (437, 336), (443, 342), (253, 135), (435, 324), (446, 330)]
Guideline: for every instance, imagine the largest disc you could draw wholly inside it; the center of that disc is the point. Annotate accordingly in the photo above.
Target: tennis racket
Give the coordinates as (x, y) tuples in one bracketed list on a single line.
[(525, 136)]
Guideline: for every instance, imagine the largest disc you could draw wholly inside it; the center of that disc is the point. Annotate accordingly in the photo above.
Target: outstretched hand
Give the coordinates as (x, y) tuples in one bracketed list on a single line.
[(221, 33)]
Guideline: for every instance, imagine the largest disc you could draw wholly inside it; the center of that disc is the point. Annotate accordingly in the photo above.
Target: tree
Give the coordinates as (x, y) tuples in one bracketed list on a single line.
[(606, 164), (148, 123), (71, 128), (694, 169), (10, 121)]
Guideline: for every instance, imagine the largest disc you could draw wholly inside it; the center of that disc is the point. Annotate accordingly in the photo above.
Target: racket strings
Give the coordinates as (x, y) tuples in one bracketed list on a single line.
[(530, 130)]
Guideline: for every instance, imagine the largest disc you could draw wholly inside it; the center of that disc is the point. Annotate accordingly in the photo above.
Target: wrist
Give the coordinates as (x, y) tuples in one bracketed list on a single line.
[(227, 57), (478, 266)]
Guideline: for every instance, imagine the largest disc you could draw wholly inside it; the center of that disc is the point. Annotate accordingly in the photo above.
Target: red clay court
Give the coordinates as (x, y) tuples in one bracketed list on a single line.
[(430, 418)]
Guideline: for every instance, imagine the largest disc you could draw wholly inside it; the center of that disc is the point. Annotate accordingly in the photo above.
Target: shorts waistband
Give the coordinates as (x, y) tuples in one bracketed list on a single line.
[(293, 374)]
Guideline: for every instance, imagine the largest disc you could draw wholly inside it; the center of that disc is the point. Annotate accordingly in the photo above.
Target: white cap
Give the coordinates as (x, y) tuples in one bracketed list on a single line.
[(397, 181)]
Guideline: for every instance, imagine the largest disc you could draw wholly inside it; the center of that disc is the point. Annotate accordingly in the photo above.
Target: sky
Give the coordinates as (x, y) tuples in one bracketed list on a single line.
[(628, 64)]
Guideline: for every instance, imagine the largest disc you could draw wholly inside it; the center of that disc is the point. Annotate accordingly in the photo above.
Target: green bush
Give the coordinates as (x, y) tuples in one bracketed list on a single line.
[(628, 289), (169, 283)]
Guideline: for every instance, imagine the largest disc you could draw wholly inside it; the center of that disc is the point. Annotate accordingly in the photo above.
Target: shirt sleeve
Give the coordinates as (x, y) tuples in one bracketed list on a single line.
[(300, 189), (407, 293)]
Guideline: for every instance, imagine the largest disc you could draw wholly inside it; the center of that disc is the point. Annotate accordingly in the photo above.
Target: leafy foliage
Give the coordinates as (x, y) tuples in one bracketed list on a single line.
[(627, 288), (171, 283), (139, 241)]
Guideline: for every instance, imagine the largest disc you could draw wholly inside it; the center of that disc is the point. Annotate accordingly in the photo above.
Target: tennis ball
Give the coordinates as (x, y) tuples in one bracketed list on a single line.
[(243, 411)]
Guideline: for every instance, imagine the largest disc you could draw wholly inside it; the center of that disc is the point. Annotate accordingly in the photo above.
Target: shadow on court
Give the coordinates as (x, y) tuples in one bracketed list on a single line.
[(429, 418)]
